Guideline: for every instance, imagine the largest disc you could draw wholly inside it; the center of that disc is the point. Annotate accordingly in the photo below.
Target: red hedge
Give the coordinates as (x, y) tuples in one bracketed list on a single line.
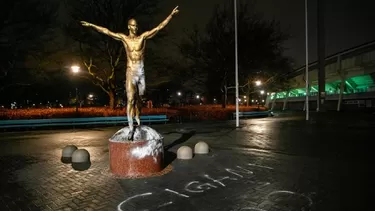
[(204, 112)]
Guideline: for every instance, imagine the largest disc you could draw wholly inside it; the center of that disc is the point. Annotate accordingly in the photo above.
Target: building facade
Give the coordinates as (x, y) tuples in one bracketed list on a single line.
[(350, 77)]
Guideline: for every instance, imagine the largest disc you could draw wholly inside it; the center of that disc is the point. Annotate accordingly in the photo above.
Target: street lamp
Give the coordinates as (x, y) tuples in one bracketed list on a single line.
[(307, 60), (258, 83), (236, 62), (75, 70)]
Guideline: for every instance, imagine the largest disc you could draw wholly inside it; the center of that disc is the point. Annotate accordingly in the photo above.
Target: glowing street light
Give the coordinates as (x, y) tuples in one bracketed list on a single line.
[(197, 96), (75, 68), (179, 93), (261, 92), (258, 83)]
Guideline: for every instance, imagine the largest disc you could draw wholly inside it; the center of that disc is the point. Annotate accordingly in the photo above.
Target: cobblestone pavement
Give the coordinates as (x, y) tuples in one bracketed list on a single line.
[(268, 164)]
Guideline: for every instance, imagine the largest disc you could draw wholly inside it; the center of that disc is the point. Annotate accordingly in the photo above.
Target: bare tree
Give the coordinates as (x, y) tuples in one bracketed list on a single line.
[(212, 51)]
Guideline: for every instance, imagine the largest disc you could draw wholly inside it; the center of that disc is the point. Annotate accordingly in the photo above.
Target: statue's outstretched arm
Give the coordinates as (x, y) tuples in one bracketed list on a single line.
[(154, 31), (103, 30)]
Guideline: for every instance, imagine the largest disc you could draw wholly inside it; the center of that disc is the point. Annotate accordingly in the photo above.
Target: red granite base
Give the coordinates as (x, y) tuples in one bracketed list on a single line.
[(123, 164)]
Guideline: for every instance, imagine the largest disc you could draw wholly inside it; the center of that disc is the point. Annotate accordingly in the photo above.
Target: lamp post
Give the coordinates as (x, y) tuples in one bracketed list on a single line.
[(75, 70), (179, 98), (307, 61), (236, 62)]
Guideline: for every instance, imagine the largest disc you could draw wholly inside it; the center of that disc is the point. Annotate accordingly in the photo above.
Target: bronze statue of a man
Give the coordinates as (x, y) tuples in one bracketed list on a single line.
[(135, 75)]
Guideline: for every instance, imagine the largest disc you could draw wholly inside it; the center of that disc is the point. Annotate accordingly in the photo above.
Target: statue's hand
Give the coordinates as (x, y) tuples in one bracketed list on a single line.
[(84, 23), (175, 10)]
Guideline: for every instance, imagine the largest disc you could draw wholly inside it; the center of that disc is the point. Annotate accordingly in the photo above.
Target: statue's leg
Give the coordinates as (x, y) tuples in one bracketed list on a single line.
[(140, 92), (130, 94), (138, 107), (141, 85)]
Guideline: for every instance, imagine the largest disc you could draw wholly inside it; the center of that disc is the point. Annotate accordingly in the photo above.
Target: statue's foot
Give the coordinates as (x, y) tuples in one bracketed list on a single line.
[(131, 135), (138, 121)]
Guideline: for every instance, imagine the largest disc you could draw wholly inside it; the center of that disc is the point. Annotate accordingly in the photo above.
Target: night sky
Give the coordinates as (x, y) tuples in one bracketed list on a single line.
[(348, 22)]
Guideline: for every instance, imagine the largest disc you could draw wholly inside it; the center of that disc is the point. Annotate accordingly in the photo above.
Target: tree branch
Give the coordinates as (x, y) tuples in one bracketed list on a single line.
[(89, 66)]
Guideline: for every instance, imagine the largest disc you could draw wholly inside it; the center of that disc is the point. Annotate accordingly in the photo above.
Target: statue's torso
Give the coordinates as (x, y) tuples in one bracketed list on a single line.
[(135, 48)]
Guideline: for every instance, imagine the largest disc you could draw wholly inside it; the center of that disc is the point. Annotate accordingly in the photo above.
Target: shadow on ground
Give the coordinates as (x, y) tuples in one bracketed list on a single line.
[(182, 139), (169, 156)]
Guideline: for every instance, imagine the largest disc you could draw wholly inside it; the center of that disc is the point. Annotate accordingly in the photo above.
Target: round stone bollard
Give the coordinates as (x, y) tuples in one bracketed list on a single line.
[(81, 160), (67, 152), (80, 156), (201, 148), (184, 153), (140, 157)]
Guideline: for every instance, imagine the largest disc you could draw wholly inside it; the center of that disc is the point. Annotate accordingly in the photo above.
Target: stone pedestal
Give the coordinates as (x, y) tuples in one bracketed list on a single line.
[(141, 157)]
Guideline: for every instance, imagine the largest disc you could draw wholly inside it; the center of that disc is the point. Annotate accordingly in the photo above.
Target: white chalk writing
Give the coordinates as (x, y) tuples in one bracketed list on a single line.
[(177, 193), (272, 203), (238, 173), (310, 202), (130, 198), (165, 204), (260, 166), (198, 188), (188, 189)]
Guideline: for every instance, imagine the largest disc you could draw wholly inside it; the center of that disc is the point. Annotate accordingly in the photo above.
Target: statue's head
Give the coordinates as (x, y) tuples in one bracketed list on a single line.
[(132, 26)]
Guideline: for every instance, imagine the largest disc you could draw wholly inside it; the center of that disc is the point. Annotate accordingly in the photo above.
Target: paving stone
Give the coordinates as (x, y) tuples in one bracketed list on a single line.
[(290, 170)]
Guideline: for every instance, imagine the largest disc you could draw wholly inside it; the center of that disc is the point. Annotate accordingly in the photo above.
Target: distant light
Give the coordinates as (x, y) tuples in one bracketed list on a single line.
[(263, 101), (268, 93), (239, 99), (197, 96), (91, 95), (252, 100), (244, 96), (258, 83), (75, 68), (261, 92), (179, 93)]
